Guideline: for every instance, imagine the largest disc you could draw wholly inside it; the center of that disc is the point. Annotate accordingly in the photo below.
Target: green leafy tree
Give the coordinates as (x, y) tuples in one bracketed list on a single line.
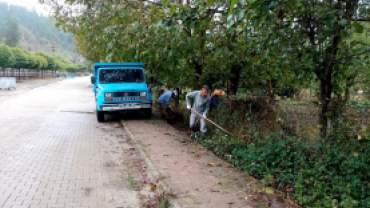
[(6, 56), (40, 62), (151, 32), (315, 37), (21, 60), (43, 62), (228, 43), (31, 60), (12, 35), (51, 62)]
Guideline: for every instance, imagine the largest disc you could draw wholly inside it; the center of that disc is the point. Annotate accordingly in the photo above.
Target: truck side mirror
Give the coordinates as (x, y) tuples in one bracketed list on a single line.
[(151, 86), (93, 80)]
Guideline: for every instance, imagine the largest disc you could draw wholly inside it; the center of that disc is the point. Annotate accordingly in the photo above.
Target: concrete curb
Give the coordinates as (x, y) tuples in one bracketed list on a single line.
[(153, 173)]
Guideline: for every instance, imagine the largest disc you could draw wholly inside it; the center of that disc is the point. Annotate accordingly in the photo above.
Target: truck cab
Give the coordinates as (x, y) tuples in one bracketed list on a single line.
[(121, 87)]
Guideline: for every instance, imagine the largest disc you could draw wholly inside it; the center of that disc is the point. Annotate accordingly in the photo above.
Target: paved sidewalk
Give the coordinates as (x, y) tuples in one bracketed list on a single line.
[(53, 153)]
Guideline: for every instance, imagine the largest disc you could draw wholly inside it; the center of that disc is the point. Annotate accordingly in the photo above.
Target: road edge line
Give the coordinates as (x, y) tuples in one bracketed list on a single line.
[(154, 173)]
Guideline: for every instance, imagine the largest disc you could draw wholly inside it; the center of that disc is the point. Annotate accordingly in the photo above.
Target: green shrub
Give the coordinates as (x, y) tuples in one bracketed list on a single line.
[(322, 175)]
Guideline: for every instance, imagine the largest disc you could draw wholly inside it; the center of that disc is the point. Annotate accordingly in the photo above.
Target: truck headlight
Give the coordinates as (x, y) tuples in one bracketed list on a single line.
[(108, 94), (142, 94)]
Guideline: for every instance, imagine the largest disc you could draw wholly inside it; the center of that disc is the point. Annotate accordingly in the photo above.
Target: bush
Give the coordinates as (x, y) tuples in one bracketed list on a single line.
[(321, 175)]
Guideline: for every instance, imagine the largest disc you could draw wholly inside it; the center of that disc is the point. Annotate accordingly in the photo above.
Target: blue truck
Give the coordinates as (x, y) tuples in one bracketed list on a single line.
[(121, 87)]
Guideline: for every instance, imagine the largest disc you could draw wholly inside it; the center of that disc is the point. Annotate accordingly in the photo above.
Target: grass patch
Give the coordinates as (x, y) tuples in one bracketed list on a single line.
[(132, 182), (165, 203)]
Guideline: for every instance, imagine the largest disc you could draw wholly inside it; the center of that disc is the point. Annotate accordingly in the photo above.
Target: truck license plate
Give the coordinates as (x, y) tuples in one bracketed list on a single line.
[(125, 105)]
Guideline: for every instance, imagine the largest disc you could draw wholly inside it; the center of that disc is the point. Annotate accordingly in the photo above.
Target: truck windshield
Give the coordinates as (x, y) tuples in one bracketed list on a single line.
[(120, 75)]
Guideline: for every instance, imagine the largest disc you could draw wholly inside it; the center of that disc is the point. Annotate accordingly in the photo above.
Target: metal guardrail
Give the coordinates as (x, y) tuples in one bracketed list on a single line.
[(27, 73)]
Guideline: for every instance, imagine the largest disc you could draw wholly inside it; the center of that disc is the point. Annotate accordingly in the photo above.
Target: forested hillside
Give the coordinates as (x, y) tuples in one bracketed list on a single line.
[(37, 33)]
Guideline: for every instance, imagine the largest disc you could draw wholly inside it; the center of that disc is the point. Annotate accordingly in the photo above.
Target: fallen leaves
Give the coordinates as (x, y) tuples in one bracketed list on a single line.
[(153, 187), (269, 191), (211, 164)]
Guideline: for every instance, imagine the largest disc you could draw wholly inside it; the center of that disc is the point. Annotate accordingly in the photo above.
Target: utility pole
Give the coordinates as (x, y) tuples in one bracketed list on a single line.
[(53, 48)]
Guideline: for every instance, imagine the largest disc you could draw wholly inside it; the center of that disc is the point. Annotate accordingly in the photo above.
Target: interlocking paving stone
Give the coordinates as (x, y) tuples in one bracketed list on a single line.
[(53, 158)]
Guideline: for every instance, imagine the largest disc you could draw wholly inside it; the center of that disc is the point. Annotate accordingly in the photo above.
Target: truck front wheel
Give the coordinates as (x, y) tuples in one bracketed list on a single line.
[(100, 116)]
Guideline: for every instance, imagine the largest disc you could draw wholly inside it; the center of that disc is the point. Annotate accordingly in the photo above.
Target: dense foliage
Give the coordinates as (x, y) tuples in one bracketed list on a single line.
[(321, 175), (6, 56)]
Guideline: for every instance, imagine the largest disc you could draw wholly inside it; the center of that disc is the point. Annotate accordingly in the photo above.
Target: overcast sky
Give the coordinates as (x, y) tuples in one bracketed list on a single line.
[(29, 4)]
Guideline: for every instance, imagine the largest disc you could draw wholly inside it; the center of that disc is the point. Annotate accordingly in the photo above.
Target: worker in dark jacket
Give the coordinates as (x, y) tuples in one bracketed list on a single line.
[(164, 101)]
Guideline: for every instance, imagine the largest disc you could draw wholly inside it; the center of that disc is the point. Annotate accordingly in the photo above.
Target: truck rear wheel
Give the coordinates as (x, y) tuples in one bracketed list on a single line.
[(100, 116)]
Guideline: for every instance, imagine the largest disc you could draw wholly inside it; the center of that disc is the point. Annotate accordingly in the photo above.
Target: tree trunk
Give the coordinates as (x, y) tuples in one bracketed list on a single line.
[(235, 71), (271, 92), (199, 63), (347, 95), (324, 72), (198, 74), (177, 98), (349, 83), (326, 90)]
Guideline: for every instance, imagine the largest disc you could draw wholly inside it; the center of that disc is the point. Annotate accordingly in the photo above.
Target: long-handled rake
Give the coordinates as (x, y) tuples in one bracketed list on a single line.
[(212, 122)]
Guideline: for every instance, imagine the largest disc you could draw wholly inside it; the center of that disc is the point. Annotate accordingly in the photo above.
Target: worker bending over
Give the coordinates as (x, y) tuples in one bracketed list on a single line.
[(201, 104), (164, 101)]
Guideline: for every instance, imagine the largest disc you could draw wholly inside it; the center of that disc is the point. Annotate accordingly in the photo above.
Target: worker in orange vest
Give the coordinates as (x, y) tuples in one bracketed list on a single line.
[(214, 98)]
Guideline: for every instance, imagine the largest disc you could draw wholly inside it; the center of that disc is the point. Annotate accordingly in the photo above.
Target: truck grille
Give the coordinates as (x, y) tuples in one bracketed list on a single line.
[(125, 94)]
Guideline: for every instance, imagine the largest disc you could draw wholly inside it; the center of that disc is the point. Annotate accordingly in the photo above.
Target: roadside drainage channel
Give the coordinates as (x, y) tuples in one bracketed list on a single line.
[(153, 173)]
